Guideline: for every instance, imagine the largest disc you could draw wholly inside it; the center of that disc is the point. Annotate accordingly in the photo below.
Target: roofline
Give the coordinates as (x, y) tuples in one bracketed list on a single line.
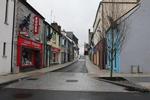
[(46, 23), (31, 8), (97, 12), (66, 36), (55, 30), (72, 33)]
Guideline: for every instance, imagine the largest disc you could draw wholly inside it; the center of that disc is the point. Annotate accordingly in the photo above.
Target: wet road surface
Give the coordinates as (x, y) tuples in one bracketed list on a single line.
[(78, 67), (19, 94), (66, 82), (71, 83)]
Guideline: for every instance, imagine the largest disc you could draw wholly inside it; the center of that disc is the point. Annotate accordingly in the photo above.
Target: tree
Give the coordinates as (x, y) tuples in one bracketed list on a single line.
[(115, 27)]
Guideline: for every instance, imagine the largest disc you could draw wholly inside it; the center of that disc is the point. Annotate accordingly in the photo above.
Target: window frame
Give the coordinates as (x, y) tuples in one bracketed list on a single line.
[(6, 12), (4, 49)]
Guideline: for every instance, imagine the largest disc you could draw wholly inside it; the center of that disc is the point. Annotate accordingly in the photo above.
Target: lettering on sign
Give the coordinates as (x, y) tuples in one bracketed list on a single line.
[(36, 25), (29, 43)]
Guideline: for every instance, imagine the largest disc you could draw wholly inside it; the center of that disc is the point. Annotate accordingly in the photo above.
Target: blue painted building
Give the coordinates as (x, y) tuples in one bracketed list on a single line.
[(116, 58)]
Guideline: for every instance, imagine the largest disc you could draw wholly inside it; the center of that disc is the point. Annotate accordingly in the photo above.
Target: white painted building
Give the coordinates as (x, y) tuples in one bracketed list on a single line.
[(6, 26), (97, 26), (136, 50)]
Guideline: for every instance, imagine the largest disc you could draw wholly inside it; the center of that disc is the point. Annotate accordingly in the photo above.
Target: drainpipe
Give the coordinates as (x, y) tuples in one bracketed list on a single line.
[(13, 33)]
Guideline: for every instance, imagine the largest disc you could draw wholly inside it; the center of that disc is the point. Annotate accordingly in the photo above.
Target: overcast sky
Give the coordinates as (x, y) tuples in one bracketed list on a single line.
[(73, 15)]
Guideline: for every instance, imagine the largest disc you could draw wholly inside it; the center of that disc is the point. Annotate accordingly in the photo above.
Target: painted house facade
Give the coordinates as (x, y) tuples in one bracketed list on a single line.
[(132, 57), (6, 30), (136, 49), (100, 37), (97, 37), (68, 47), (47, 47), (55, 43), (115, 32), (28, 49), (73, 46), (64, 47)]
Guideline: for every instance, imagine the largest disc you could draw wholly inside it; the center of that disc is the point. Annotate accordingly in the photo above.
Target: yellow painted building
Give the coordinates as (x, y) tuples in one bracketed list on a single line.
[(55, 46)]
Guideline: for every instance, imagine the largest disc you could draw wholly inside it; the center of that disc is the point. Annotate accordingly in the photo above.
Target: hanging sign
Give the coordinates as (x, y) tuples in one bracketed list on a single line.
[(36, 25)]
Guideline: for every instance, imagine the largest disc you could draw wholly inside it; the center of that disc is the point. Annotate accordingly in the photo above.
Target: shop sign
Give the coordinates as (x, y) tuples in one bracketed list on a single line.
[(29, 43), (36, 25)]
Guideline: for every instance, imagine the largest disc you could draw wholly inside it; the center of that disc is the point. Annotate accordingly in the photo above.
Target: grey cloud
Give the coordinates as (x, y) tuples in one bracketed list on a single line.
[(72, 15)]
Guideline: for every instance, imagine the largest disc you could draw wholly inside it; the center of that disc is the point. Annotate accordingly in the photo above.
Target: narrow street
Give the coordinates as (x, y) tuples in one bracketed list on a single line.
[(78, 67), (70, 83), (75, 50)]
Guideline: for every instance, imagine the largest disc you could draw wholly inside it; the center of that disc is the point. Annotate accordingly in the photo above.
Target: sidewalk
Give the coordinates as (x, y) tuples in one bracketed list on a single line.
[(94, 71), (13, 77)]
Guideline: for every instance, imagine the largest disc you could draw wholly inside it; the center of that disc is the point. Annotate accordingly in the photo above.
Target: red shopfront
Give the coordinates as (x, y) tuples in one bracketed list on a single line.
[(55, 55), (29, 53)]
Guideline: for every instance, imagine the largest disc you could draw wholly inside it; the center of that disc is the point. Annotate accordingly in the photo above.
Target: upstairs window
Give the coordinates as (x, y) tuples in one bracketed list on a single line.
[(4, 49), (6, 12)]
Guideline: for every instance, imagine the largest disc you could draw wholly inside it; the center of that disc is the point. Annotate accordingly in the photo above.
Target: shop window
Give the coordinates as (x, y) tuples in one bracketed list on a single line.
[(27, 57), (6, 12), (4, 49)]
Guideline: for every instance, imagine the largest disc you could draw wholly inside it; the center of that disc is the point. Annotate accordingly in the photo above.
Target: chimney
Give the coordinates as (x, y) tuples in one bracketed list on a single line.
[(56, 27), (59, 28)]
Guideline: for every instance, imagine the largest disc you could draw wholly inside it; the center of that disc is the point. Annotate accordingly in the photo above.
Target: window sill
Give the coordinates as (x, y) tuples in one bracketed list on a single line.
[(6, 23), (4, 56)]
